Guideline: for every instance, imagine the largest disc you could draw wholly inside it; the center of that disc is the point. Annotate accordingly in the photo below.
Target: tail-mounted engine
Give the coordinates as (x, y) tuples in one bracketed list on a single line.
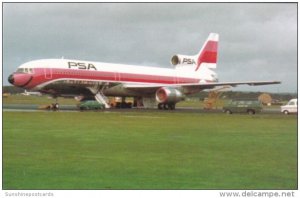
[(183, 60), (168, 95)]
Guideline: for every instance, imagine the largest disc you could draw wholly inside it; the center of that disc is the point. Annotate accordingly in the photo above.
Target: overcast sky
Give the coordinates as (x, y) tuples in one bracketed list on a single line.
[(258, 41)]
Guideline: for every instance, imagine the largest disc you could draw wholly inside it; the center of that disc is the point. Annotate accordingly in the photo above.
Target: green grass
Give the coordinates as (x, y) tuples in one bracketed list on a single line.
[(148, 150)]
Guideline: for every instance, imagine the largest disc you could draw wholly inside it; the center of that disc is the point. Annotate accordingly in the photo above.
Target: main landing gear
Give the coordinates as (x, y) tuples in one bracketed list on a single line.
[(166, 106)]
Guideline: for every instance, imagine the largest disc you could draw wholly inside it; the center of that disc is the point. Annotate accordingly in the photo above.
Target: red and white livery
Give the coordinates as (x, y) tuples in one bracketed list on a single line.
[(164, 86)]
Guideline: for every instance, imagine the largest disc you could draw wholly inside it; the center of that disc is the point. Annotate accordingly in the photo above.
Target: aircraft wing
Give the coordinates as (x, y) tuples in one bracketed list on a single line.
[(197, 85), (233, 84)]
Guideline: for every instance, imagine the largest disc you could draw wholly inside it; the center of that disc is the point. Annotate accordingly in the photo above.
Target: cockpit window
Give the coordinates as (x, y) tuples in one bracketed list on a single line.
[(20, 70), (25, 70)]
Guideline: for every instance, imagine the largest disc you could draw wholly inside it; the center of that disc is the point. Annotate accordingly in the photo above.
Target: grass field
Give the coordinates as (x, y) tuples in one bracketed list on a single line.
[(148, 150)]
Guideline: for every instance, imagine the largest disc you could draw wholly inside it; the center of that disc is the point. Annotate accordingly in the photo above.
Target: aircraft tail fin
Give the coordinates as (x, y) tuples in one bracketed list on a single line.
[(209, 52)]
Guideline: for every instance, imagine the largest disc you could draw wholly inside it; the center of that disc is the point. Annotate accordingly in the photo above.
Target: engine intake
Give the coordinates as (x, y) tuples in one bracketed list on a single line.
[(168, 95), (175, 60)]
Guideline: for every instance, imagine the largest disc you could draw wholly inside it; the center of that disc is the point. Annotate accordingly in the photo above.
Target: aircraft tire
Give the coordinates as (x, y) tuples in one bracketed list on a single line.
[(171, 106), (166, 106), (160, 106)]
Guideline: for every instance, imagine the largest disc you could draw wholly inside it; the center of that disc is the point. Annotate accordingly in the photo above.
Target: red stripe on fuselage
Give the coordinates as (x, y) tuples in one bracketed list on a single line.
[(40, 77)]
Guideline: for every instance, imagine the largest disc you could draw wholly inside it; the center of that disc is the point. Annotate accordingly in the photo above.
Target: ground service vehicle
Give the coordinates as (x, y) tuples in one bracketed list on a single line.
[(90, 105), (243, 106), (290, 107)]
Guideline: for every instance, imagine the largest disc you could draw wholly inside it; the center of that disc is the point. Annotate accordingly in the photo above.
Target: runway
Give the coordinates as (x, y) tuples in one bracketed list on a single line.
[(73, 108), (33, 107)]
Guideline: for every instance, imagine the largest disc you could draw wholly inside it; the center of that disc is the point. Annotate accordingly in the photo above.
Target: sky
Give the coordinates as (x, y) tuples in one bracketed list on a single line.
[(258, 41)]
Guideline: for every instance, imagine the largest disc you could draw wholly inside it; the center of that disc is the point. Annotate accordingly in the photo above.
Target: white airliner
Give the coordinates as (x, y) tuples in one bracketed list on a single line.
[(164, 86)]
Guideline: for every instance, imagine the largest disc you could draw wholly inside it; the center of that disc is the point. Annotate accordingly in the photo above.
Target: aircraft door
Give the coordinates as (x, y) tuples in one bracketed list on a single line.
[(48, 73), (176, 78), (117, 76)]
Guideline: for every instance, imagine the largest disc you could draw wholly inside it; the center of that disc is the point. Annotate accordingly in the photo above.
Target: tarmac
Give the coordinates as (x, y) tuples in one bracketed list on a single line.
[(73, 108)]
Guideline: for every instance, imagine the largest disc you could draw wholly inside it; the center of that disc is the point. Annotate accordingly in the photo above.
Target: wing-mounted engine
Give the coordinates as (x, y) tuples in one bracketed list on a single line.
[(168, 95), (183, 60)]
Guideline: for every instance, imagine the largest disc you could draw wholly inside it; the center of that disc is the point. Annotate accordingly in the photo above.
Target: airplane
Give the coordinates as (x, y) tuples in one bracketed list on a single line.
[(31, 93), (163, 87)]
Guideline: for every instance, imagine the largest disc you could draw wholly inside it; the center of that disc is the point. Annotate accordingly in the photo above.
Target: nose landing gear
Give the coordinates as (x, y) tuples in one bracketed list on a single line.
[(54, 106)]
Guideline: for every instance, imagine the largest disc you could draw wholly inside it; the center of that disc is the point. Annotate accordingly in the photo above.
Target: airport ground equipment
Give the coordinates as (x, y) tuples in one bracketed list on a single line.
[(290, 107), (212, 101), (90, 105), (243, 106)]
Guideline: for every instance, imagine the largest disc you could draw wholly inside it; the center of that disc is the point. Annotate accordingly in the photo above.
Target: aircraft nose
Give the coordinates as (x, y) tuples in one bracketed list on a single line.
[(11, 79), (20, 79)]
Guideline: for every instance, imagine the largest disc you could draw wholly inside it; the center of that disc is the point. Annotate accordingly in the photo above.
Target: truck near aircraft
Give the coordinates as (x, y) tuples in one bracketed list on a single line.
[(290, 107)]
